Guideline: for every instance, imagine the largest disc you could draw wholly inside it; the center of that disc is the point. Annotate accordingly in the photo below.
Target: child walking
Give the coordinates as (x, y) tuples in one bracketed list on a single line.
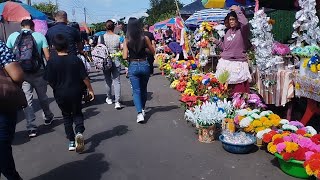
[(66, 74)]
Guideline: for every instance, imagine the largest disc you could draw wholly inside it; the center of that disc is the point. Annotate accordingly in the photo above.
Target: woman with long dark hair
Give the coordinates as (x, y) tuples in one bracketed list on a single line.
[(135, 49), (234, 46)]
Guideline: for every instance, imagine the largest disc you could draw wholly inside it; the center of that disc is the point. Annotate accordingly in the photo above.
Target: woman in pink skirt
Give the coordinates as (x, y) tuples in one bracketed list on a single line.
[(234, 46)]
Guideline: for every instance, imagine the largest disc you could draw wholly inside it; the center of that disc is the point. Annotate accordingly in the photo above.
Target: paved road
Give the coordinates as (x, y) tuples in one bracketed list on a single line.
[(117, 148)]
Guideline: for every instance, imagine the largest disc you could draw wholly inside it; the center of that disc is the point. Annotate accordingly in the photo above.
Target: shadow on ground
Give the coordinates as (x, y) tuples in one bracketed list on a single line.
[(92, 167), (153, 110), (96, 139)]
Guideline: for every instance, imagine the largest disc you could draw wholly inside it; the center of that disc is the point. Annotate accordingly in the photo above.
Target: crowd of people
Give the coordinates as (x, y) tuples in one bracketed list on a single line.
[(33, 61)]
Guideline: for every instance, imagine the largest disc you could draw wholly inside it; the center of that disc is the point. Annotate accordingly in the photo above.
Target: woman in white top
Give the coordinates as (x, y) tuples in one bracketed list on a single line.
[(112, 76)]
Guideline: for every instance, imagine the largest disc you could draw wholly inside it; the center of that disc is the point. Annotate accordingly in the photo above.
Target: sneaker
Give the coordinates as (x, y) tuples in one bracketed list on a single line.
[(48, 121), (32, 133), (143, 112), (79, 143), (108, 101), (72, 146), (140, 118), (117, 105)]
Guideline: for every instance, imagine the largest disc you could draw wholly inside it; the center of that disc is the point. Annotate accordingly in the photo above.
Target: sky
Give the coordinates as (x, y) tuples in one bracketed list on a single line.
[(101, 10)]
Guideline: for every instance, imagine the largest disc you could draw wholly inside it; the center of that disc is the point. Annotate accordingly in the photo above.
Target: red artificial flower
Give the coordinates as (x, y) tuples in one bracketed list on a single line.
[(215, 90), (316, 139), (267, 138), (286, 156), (301, 132), (300, 154), (214, 80), (278, 140)]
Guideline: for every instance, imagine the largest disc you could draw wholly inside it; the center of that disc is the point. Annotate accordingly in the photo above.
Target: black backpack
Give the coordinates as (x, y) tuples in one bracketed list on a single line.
[(26, 52)]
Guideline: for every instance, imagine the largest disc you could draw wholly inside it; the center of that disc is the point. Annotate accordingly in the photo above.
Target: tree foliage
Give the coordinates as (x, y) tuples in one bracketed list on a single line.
[(96, 27), (161, 10), (47, 8)]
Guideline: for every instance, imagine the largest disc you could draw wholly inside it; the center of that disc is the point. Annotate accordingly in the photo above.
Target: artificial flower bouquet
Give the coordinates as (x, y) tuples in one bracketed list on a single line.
[(293, 146), (312, 165), (209, 113), (245, 100), (118, 55), (254, 121), (280, 49)]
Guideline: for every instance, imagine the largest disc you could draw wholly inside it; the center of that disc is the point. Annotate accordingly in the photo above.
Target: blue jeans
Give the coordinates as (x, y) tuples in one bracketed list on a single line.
[(8, 122), (139, 73)]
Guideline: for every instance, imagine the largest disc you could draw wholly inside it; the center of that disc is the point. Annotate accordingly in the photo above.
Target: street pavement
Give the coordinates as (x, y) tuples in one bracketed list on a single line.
[(117, 148)]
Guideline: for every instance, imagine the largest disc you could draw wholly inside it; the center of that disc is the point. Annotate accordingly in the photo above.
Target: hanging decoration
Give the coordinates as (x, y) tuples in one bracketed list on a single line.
[(306, 27), (263, 43)]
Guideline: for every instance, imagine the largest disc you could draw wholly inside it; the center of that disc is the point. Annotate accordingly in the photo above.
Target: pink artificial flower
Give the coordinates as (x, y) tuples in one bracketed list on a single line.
[(287, 138), (305, 142), (308, 155), (294, 137), (236, 120), (281, 147)]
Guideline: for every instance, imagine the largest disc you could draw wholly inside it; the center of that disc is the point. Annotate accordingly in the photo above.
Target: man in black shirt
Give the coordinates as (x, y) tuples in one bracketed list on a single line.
[(72, 34), (150, 57)]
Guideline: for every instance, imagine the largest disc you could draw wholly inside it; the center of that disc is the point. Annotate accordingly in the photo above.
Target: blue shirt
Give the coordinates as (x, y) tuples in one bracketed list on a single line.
[(6, 55), (38, 37)]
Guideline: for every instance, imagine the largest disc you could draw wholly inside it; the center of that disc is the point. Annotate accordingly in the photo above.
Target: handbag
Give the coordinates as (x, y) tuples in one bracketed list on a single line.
[(12, 96)]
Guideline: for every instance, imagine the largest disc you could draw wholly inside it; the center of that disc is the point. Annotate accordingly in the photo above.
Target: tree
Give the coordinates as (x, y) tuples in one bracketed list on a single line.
[(96, 27), (161, 10), (48, 8)]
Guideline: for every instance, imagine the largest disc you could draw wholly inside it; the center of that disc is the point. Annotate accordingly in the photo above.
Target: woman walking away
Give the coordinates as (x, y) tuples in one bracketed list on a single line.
[(112, 75), (135, 50), (8, 118), (234, 46)]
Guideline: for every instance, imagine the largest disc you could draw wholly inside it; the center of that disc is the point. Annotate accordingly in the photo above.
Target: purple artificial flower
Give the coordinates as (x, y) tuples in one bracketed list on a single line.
[(281, 147), (297, 124)]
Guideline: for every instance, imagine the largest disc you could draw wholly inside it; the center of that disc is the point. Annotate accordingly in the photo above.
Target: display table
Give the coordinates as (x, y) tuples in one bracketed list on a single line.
[(308, 88)]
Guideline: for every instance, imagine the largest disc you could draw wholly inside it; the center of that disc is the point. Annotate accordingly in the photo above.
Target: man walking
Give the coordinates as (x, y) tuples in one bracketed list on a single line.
[(28, 47), (150, 57), (72, 34)]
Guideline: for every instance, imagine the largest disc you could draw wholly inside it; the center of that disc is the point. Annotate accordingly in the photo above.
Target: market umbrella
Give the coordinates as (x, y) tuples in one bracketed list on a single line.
[(16, 12), (100, 33), (207, 15), (227, 3), (162, 24)]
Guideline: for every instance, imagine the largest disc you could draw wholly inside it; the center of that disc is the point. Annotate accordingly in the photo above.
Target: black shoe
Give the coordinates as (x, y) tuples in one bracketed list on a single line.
[(48, 121), (32, 133)]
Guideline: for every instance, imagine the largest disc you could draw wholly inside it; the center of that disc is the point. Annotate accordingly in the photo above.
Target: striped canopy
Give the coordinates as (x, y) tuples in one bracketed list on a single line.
[(207, 15), (165, 23)]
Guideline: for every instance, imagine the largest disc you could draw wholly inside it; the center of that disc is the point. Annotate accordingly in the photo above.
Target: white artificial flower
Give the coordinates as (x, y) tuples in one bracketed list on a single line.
[(265, 113), (260, 134), (284, 121), (242, 112), (311, 130), (289, 127), (255, 116), (245, 122)]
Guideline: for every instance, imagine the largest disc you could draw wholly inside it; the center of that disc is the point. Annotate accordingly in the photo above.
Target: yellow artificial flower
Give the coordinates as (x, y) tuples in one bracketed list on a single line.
[(272, 148), (258, 129), (298, 86), (313, 68), (264, 119), (291, 147), (256, 123), (274, 116), (275, 122), (267, 123), (189, 84), (249, 128), (308, 135), (309, 170), (189, 92), (174, 84), (240, 118), (305, 63), (318, 67), (276, 136)]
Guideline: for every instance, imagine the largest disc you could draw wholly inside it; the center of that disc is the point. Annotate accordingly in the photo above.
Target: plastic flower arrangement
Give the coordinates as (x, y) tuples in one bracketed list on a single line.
[(306, 51), (255, 121), (297, 127), (293, 146), (245, 100), (118, 55), (312, 64), (207, 114), (312, 165), (280, 49)]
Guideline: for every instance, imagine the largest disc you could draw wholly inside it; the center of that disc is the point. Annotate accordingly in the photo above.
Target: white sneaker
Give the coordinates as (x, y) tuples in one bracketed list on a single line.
[(143, 112), (108, 101), (117, 105), (140, 118), (79, 143)]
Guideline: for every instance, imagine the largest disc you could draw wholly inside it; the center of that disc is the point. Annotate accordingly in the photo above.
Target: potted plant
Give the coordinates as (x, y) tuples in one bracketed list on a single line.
[(208, 118)]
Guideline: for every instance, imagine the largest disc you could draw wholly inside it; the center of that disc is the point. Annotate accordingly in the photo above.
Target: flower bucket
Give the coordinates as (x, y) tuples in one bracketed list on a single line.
[(237, 148), (292, 167), (208, 134)]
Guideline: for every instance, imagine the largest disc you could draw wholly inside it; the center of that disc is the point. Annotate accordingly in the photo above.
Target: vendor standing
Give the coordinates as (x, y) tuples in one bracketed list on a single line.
[(234, 46)]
